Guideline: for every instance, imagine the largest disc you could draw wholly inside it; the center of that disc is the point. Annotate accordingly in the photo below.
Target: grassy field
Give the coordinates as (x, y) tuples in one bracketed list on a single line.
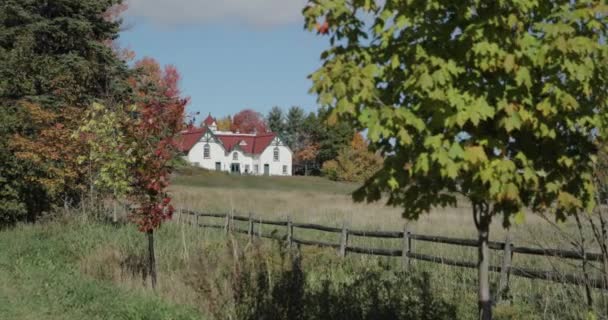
[(78, 266), (329, 203), (41, 277)]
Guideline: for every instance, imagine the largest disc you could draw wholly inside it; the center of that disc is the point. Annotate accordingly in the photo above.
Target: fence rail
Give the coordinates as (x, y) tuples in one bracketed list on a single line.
[(506, 269)]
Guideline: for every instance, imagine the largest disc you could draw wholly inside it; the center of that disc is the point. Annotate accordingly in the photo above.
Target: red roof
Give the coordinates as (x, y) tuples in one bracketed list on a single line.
[(252, 144), (189, 138), (209, 121)]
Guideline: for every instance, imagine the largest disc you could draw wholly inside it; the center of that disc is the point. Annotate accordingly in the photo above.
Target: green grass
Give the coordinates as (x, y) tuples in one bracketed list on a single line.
[(40, 278), (195, 177), (76, 267), (72, 268)]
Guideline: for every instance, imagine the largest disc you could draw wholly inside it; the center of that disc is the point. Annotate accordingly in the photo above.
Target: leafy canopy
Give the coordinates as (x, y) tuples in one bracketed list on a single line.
[(500, 101), (106, 132)]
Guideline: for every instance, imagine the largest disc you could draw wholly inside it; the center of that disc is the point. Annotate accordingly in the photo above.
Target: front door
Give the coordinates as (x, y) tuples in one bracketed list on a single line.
[(266, 170), (235, 168)]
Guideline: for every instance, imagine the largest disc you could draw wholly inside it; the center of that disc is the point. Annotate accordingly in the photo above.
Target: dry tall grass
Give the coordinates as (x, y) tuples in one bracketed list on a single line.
[(336, 209)]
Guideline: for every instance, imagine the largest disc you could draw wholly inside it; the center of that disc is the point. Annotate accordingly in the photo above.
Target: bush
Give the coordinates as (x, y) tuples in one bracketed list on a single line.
[(263, 285)]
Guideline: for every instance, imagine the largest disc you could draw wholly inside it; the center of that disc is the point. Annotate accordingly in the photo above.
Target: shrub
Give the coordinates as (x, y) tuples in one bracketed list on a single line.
[(261, 284)]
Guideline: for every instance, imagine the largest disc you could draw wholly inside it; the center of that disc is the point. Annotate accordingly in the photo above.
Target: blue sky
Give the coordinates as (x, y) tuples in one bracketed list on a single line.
[(230, 57)]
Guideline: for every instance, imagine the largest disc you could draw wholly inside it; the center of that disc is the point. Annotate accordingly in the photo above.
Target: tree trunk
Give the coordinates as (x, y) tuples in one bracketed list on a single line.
[(151, 258), (583, 252), (482, 222), (114, 214)]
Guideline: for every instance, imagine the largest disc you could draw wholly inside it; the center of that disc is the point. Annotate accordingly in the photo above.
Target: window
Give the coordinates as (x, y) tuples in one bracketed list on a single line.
[(276, 153), (246, 168), (284, 169), (235, 156), (256, 168), (206, 151)]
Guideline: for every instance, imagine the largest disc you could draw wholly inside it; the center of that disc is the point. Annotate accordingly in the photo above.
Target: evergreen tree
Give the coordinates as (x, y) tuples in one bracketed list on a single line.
[(276, 120), (53, 54), (333, 136), (294, 126)]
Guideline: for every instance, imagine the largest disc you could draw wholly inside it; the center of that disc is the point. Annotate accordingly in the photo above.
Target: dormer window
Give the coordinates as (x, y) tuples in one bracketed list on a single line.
[(206, 151), (235, 156), (276, 154)]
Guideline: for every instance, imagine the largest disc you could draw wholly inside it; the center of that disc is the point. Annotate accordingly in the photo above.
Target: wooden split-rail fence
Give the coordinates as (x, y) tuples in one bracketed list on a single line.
[(406, 253)]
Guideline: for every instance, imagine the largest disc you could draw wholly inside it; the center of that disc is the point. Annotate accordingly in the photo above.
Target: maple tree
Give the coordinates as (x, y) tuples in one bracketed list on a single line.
[(160, 118), (354, 162), (106, 132), (52, 157), (307, 155), (248, 121), (501, 102)]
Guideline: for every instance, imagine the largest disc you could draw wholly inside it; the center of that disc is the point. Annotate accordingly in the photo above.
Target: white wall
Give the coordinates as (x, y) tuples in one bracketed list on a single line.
[(195, 156), (218, 154), (276, 167)]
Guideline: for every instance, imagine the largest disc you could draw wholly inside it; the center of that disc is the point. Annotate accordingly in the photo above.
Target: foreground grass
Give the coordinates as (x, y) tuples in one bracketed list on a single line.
[(80, 268), (40, 278), (278, 198)]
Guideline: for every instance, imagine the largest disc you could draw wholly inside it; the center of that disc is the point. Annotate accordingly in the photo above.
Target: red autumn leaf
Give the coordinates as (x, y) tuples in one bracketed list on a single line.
[(322, 28)]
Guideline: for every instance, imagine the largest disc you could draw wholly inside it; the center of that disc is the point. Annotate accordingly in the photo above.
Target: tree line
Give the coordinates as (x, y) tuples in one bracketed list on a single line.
[(80, 121), (321, 146)]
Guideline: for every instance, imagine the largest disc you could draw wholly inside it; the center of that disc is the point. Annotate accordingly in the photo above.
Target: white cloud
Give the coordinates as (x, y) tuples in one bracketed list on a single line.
[(252, 12)]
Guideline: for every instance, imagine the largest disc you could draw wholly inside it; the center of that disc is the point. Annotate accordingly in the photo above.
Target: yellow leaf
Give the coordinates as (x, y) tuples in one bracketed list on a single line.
[(475, 154), (509, 62), (519, 218)]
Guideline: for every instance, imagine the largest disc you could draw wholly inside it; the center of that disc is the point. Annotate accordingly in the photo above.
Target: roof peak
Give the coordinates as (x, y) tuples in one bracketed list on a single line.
[(209, 120)]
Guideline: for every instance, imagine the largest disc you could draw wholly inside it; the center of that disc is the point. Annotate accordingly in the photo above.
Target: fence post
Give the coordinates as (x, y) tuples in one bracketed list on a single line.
[(407, 246), (227, 223), (260, 228), (289, 232), (250, 227), (344, 240), (196, 214), (505, 270)]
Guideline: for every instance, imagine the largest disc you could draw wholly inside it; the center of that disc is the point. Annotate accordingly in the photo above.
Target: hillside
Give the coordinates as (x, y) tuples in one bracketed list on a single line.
[(194, 177)]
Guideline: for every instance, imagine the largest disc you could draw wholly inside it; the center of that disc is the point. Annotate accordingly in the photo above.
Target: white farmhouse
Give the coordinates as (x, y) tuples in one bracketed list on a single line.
[(255, 154)]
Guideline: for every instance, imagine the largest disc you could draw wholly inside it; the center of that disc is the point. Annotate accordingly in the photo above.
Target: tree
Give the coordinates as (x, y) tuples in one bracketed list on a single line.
[(160, 119), (52, 54), (293, 128), (334, 136), (248, 121), (53, 62), (354, 163), (110, 145), (276, 120), (498, 101), (307, 156), (14, 208), (224, 124), (53, 155)]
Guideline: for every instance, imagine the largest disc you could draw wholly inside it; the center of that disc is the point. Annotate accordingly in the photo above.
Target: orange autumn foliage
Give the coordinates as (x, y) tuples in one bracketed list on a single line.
[(354, 163), (52, 152), (307, 153)]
